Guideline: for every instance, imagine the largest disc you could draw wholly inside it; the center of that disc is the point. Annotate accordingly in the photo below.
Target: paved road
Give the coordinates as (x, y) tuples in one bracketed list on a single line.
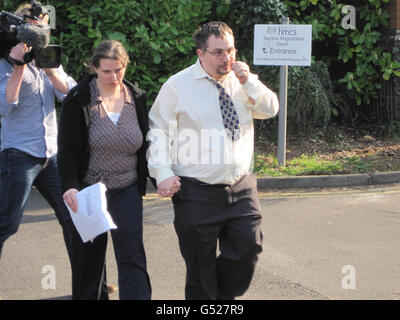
[(310, 238)]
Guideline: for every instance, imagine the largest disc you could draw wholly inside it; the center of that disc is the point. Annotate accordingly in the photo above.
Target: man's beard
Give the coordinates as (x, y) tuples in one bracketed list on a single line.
[(224, 69)]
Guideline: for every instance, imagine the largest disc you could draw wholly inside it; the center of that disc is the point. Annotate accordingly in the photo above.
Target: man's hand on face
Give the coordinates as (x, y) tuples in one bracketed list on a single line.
[(241, 70)]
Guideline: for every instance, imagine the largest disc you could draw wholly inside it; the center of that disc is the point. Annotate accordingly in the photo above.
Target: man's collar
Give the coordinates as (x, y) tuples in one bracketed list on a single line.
[(199, 72)]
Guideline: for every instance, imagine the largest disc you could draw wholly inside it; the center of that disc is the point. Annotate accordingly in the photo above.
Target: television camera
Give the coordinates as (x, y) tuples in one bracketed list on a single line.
[(14, 29)]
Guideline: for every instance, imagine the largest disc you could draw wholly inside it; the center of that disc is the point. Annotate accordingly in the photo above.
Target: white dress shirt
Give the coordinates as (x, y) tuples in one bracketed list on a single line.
[(187, 136)]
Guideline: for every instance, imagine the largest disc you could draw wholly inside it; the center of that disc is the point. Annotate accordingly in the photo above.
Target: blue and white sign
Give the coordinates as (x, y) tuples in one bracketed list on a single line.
[(282, 44)]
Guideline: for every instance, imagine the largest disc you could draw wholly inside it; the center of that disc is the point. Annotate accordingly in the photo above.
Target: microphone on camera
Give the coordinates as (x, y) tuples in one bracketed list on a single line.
[(33, 36)]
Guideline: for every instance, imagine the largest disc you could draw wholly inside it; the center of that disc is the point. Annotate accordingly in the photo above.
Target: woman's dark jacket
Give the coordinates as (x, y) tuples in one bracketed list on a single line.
[(73, 136)]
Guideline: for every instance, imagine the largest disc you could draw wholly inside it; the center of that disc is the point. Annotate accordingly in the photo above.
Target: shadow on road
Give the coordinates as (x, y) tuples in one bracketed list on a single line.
[(38, 218)]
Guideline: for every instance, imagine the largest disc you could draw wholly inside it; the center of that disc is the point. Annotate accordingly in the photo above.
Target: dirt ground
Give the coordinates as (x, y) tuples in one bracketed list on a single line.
[(381, 154)]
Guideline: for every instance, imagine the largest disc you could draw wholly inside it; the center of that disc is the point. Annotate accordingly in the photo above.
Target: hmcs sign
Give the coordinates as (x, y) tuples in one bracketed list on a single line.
[(282, 45)]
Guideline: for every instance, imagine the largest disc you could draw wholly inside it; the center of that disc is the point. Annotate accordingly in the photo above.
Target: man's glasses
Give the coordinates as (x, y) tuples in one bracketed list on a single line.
[(219, 53)]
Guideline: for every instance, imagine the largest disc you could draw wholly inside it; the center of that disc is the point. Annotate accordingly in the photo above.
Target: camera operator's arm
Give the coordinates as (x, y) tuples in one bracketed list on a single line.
[(14, 83), (6, 72), (61, 81), (58, 81)]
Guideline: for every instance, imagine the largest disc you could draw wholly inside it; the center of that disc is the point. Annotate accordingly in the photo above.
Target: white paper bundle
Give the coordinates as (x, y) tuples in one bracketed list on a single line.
[(92, 217)]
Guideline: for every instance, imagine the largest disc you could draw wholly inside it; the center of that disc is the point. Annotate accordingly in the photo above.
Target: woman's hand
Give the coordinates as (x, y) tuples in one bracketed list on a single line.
[(70, 199)]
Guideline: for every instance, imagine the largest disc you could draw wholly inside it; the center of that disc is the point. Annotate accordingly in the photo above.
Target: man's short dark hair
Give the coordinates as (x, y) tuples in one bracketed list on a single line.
[(216, 28), (23, 9)]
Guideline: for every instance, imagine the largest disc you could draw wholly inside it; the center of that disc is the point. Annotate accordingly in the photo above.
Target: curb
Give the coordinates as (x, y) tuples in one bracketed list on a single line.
[(305, 182), (328, 181)]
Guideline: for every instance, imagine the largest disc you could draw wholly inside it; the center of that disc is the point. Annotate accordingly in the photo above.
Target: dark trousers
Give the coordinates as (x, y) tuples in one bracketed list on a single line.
[(230, 215), (18, 173), (125, 207)]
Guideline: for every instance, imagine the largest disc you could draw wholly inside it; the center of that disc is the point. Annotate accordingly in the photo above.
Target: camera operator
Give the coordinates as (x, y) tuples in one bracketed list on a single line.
[(29, 138)]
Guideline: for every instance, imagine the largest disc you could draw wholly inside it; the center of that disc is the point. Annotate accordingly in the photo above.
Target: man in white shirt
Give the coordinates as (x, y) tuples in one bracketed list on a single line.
[(201, 148)]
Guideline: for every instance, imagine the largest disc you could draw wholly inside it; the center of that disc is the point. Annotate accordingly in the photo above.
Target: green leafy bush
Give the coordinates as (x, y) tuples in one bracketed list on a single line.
[(156, 34), (158, 37), (354, 55), (311, 98)]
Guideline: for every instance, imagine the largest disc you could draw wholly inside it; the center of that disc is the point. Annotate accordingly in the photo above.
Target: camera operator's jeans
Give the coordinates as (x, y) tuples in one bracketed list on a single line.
[(18, 172)]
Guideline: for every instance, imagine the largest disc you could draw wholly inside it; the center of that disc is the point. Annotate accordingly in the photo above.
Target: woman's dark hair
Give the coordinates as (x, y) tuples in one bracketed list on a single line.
[(109, 49)]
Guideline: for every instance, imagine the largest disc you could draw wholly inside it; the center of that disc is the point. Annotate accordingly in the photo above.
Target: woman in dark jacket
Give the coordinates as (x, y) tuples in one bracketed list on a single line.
[(102, 138)]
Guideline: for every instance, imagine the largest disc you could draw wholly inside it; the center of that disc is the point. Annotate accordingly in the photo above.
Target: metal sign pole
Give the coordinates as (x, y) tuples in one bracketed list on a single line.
[(283, 81)]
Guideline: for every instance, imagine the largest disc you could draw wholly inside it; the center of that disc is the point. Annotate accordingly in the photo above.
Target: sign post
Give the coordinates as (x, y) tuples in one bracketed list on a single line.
[(282, 45), (283, 81)]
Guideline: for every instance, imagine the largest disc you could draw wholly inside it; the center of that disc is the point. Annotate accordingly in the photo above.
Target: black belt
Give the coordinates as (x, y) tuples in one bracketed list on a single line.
[(205, 184)]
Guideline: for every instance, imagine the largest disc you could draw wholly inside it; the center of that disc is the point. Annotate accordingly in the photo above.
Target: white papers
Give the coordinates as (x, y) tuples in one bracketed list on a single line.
[(92, 217)]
